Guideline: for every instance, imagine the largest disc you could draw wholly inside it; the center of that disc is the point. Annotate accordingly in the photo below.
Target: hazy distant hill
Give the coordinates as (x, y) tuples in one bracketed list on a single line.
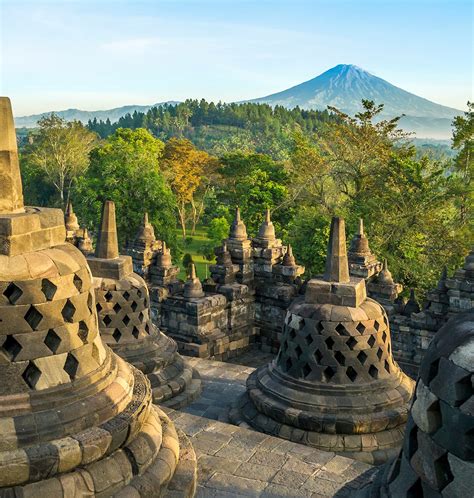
[(345, 85), (84, 116)]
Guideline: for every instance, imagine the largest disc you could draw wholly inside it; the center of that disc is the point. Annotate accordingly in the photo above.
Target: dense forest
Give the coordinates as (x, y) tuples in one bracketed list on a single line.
[(220, 128), (189, 165)]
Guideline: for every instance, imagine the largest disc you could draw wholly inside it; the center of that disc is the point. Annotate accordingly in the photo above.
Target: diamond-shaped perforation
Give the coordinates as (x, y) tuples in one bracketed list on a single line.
[(108, 296), (134, 306), (329, 373), (126, 295), (139, 293), (83, 331), (379, 353), (306, 370), (90, 302), (318, 355), (288, 364), (320, 327), (351, 374), (362, 357), (135, 332), (126, 320), (147, 328), (117, 308), (77, 281), (107, 320), (13, 293), (145, 303), (33, 317), (141, 316), (329, 342), (68, 311), (340, 358), (433, 370), (373, 372), (384, 336), (360, 328), (298, 351), (52, 340), (71, 366), (387, 366), (309, 339), (376, 325), (48, 288), (292, 333), (341, 330), (11, 347), (371, 341), (31, 375), (117, 335), (351, 343), (98, 307)]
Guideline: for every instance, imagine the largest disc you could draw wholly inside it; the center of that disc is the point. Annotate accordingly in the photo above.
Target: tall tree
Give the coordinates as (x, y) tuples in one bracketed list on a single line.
[(126, 169), (61, 151), (463, 142), (185, 168)]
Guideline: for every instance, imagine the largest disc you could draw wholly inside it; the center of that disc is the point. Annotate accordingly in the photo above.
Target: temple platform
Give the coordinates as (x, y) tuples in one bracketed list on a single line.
[(235, 461)]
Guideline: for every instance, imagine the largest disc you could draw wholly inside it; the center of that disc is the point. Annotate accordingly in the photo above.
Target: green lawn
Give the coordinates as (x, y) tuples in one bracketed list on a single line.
[(199, 238)]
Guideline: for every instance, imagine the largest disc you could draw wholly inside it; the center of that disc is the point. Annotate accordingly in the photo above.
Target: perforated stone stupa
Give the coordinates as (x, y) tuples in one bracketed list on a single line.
[(123, 307), (75, 419), (334, 384), (437, 458)]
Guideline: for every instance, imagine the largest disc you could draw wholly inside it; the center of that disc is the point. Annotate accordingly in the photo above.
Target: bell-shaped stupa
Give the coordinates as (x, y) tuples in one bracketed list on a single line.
[(75, 419), (123, 306), (437, 457), (334, 384)]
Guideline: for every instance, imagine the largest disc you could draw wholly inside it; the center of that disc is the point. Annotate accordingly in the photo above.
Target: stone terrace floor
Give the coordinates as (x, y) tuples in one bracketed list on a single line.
[(235, 462)]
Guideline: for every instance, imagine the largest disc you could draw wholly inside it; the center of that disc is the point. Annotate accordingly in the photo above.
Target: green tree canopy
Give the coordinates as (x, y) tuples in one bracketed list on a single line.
[(59, 152), (126, 169)]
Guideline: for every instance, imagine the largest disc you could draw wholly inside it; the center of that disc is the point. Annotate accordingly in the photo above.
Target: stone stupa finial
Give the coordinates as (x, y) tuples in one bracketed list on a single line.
[(361, 227), (107, 242), (267, 230), (70, 218), (337, 265), (11, 191), (288, 258), (385, 276), (193, 286), (238, 229)]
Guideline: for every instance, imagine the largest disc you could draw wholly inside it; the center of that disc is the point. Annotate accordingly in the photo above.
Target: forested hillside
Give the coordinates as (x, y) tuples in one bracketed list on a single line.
[(220, 128)]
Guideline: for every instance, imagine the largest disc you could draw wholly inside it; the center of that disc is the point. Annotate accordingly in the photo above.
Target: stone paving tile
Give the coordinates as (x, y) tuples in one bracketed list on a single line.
[(274, 490), (240, 485), (257, 472), (290, 478), (236, 462)]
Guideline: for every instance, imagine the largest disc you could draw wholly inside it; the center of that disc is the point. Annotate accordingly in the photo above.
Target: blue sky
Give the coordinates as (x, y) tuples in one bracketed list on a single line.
[(99, 54)]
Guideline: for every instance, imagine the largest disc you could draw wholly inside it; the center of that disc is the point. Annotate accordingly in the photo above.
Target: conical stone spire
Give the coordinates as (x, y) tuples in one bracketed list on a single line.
[(193, 286), (362, 263), (71, 218), (11, 191), (267, 230), (107, 241), (238, 229), (288, 258), (385, 277), (337, 266)]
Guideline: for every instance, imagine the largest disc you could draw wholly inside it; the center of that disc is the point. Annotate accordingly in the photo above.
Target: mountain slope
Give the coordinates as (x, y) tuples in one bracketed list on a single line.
[(84, 116), (345, 85)]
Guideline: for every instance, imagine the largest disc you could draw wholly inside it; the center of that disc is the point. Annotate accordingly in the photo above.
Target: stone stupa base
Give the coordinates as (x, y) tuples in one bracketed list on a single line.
[(293, 412), (174, 383)]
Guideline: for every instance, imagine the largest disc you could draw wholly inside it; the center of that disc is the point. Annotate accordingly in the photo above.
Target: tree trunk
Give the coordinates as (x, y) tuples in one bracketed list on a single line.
[(182, 220)]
